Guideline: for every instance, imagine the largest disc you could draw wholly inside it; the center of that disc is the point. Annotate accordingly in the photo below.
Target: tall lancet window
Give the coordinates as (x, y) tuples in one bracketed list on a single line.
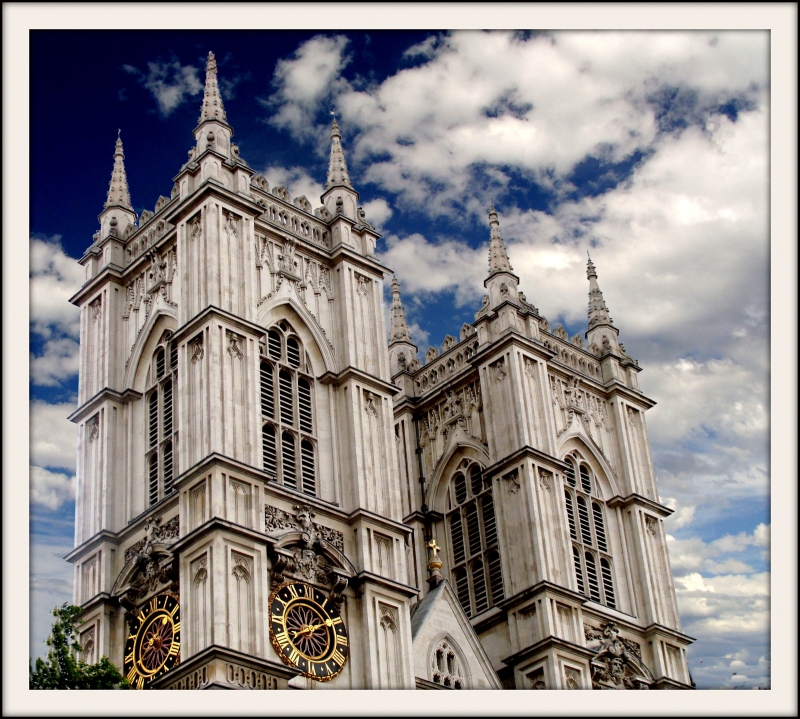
[(472, 530), (288, 422), (586, 510), (161, 427)]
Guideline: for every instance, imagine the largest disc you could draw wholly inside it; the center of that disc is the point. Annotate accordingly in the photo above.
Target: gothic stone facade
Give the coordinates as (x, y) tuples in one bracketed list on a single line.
[(488, 519)]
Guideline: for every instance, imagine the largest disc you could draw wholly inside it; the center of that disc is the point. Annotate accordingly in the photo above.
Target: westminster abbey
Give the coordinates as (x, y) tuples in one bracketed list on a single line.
[(270, 496)]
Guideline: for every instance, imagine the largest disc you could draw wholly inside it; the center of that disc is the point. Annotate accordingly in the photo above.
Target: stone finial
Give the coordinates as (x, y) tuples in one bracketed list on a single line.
[(337, 168), (498, 258), (118, 194), (399, 330), (212, 108), (598, 312)]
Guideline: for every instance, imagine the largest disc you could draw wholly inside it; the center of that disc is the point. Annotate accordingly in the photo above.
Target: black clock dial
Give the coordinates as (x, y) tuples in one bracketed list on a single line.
[(307, 631), (153, 643)]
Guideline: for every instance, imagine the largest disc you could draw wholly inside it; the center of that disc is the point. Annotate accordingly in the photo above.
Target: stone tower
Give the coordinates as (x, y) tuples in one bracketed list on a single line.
[(247, 443)]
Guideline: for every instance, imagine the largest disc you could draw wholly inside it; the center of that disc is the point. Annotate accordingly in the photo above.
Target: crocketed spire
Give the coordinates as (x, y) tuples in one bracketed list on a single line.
[(212, 108), (498, 259), (399, 330), (598, 312), (337, 168), (118, 194)]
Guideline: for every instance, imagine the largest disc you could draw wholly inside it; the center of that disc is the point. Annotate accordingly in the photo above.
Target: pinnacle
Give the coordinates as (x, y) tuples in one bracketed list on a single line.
[(118, 194), (498, 258), (598, 311), (212, 108), (337, 167), (399, 330)]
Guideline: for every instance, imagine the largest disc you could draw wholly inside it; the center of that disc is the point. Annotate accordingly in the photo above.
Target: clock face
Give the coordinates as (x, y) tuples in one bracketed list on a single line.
[(307, 631), (153, 644)]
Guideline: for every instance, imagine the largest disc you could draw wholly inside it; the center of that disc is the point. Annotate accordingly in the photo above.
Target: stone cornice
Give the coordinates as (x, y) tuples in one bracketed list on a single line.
[(546, 643), (109, 272), (640, 501), (390, 584), (367, 262), (543, 586), (652, 629), (354, 373), (105, 394), (516, 456), (218, 524), (213, 311), (615, 388), (390, 524), (91, 544)]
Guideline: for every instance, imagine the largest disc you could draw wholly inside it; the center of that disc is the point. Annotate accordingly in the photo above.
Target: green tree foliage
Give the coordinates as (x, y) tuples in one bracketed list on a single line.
[(63, 670)]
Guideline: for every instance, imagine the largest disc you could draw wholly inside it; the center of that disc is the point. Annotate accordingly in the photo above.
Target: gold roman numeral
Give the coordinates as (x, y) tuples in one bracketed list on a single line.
[(335, 621), (313, 669), (308, 591), (140, 616), (174, 609), (153, 604), (131, 674), (176, 627), (294, 657), (293, 590), (282, 638), (139, 682), (341, 640), (175, 648), (338, 657)]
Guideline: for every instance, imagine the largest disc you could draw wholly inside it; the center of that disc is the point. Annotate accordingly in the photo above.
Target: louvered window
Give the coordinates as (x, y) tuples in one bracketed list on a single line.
[(591, 576), (161, 427), (583, 515), (608, 584), (304, 404), (284, 360), (476, 563), (599, 530), (589, 533)]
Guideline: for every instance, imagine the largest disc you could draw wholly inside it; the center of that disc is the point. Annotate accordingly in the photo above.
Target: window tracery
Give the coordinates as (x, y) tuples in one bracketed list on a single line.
[(446, 667), (476, 568), (288, 434), (585, 517)]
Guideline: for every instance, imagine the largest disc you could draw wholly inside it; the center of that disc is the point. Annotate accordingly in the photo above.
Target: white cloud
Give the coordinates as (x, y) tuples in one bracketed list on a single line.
[(51, 489), (377, 211), (59, 361), (54, 278), (692, 555), (305, 81), (53, 437), (170, 83), (297, 181)]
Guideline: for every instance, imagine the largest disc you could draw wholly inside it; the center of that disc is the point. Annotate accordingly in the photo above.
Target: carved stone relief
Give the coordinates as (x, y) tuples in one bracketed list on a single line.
[(617, 662), (275, 519)]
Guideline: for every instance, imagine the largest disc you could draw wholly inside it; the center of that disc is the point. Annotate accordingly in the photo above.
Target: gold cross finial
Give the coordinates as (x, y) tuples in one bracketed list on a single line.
[(433, 547)]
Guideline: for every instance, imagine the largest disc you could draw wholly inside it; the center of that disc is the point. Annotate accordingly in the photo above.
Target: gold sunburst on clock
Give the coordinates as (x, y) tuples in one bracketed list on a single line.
[(307, 631), (153, 643)]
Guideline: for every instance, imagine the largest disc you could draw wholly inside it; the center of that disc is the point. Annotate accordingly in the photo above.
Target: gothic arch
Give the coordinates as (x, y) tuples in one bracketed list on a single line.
[(318, 346), (465, 447), (161, 319), (604, 472), (295, 537)]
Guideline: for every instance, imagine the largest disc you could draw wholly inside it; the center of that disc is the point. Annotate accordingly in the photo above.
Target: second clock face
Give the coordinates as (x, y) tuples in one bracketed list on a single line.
[(153, 644), (307, 631)]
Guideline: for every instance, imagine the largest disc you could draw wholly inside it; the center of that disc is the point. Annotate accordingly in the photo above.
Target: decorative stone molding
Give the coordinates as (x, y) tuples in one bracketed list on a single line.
[(93, 428), (195, 228), (275, 519), (652, 525), (96, 307), (572, 678), (196, 348), (155, 532), (512, 478), (235, 344), (617, 662), (497, 370), (369, 404), (545, 479)]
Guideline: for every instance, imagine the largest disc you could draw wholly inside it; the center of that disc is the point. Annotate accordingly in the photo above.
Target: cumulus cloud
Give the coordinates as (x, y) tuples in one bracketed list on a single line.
[(53, 436), (305, 81), (169, 82), (51, 489), (60, 360), (54, 278), (377, 211)]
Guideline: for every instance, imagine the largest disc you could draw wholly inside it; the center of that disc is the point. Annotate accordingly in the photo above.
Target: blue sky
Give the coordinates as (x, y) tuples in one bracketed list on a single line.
[(649, 149)]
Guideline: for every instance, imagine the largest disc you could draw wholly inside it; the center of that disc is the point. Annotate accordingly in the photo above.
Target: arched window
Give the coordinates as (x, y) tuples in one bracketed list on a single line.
[(476, 567), (446, 666), (161, 428), (288, 430), (588, 535)]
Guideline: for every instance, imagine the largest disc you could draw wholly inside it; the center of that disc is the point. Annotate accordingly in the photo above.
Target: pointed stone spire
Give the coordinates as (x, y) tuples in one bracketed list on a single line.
[(399, 331), (212, 108), (598, 312), (498, 258), (337, 168), (118, 194)]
